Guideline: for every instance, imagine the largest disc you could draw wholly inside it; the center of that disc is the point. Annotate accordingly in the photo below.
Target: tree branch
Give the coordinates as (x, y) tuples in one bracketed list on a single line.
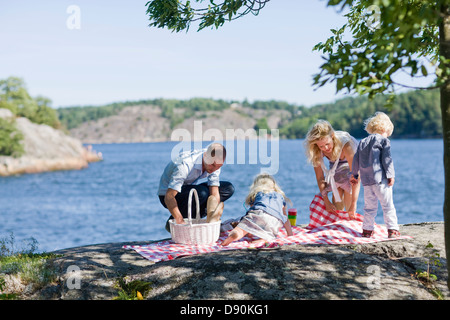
[(414, 87)]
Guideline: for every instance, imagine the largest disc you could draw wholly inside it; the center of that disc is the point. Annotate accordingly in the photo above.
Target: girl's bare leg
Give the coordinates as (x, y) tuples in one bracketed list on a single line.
[(347, 200)]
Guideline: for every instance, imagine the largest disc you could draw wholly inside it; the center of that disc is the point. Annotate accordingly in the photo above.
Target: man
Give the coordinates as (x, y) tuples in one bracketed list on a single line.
[(182, 175)]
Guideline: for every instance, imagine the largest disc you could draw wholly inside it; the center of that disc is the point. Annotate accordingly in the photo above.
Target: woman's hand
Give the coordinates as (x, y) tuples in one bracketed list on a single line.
[(329, 206), (352, 212)]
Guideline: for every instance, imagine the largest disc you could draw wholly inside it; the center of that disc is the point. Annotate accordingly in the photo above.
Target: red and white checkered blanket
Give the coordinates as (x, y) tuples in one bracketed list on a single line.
[(324, 228)]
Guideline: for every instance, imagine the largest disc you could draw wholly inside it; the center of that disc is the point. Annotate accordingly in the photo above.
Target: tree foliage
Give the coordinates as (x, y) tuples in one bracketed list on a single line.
[(72, 117), (382, 40), (178, 15), (415, 114), (15, 97), (10, 139)]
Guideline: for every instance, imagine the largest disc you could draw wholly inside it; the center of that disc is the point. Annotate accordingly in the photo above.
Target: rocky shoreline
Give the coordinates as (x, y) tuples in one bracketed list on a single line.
[(378, 271), (45, 149)]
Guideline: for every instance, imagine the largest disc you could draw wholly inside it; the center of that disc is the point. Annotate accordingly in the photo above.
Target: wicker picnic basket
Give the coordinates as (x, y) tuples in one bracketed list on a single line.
[(196, 231)]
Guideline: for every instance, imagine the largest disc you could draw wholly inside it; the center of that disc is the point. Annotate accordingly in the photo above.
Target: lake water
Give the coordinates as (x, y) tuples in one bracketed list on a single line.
[(115, 200)]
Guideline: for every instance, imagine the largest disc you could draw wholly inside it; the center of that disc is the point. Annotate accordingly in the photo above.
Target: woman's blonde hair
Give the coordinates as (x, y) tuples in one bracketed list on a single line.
[(264, 183), (379, 123), (320, 130)]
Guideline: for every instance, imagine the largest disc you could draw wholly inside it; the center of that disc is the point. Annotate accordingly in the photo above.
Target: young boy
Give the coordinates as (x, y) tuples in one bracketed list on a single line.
[(376, 169)]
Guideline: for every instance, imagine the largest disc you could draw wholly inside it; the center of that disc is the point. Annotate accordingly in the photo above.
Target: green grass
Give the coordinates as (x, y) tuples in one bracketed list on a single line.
[(24, 264)]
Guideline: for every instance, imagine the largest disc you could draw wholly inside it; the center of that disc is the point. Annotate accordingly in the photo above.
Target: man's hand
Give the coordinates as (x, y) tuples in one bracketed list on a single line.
[(172, 205)]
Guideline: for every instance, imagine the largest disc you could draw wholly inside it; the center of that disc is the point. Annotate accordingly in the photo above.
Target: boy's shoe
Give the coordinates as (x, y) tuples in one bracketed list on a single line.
[(393, 233), (367, 233)]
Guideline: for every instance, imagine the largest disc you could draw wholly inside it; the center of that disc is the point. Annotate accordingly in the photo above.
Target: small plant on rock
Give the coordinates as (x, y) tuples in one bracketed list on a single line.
[(133, 290), (433, 262)]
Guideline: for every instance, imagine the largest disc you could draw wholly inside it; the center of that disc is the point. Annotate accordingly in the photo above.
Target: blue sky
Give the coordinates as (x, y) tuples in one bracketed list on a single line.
[(115, 56)]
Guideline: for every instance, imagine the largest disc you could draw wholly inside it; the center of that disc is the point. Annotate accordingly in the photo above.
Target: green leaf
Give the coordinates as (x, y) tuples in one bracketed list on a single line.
[(424, 70)]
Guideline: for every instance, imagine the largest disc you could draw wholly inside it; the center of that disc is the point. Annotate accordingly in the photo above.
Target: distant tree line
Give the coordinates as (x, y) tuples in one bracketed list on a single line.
[(415, 114)]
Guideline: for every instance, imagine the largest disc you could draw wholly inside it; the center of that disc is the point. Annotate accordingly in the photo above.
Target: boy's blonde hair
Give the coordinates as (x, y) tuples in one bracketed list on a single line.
[(320, 130), (264, 183), (379, 123)]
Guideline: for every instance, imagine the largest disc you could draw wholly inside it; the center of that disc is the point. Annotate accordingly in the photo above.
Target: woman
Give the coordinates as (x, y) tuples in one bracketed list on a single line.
[(338, 147)]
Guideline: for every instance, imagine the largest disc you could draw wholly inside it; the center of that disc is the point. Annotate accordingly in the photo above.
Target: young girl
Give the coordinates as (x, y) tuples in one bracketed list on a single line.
[(374, 164), (267, 212)]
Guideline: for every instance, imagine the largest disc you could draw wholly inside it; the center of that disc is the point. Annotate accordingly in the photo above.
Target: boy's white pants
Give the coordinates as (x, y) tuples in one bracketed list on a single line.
[(383, 193)]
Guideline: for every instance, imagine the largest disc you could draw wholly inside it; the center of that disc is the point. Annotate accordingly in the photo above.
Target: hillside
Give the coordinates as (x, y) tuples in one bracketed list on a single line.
[(415, 114), (145, 123)]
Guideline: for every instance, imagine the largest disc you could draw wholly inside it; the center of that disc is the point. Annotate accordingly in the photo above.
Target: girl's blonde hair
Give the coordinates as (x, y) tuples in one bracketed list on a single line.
[(264, 183), (318, 131), (379, 123)]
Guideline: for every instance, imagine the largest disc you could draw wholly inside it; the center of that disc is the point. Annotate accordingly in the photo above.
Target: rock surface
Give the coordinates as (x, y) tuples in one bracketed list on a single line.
[(46, 149), (379, 271)]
